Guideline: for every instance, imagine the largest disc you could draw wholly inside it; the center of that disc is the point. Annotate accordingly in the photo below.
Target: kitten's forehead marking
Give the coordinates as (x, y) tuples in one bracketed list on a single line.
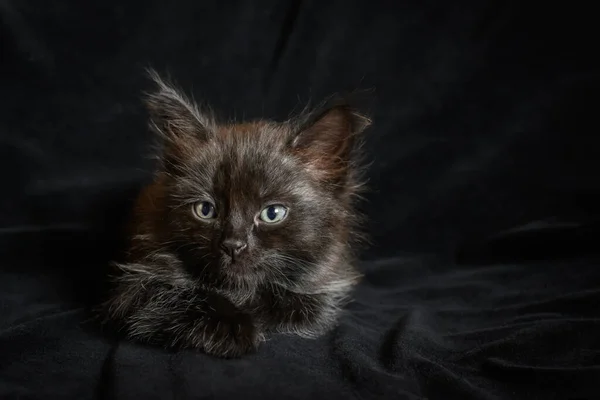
[(253, 160), (242, 128)]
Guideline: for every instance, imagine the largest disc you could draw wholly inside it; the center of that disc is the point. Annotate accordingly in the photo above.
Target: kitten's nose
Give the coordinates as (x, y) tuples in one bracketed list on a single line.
[(233, 247)]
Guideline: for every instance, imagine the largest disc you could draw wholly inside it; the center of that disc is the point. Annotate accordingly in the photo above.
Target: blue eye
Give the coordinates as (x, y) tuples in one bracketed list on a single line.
[(204, 210), (273, 213)]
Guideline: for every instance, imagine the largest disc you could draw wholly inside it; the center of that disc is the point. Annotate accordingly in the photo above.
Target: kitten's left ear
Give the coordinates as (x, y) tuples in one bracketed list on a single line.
[(326, 140)]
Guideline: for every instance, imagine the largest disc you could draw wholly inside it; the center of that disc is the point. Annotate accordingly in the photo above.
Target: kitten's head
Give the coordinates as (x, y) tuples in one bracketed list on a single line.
[(258, 201)]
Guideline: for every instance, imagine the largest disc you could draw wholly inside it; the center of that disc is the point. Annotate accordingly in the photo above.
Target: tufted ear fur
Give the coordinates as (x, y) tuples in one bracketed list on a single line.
[(176, 119), (327, 141)]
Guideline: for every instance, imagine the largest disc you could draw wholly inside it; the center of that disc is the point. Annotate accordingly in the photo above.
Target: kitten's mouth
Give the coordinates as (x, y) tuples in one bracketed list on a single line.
[(237, 266)]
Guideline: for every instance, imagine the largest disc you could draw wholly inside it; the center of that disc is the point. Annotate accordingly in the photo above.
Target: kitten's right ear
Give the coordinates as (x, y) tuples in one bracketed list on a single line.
[(172, 115)]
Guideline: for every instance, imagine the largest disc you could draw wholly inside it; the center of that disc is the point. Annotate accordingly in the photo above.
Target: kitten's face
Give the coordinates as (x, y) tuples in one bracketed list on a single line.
[(259, 201), (245, 205)]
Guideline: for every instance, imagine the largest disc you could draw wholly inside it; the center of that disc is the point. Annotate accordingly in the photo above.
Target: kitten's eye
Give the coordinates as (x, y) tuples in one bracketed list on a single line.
[(273, 213), (204, 210)]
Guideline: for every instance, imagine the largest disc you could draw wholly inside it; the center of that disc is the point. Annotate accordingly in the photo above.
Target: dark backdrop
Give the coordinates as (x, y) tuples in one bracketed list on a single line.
[(482, 280)]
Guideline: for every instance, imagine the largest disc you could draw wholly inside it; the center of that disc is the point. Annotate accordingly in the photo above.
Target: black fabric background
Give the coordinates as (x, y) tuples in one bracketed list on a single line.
[(483, 278)]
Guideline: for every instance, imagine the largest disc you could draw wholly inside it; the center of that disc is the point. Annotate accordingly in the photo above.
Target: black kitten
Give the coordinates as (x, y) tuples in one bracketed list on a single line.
[(246, 229)]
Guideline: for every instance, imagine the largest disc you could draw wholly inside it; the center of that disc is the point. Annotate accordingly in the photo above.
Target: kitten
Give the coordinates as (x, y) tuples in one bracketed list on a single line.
[(247, 229)]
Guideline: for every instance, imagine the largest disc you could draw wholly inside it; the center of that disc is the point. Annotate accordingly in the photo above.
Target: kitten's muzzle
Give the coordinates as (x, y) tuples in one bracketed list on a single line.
[(233, 247)]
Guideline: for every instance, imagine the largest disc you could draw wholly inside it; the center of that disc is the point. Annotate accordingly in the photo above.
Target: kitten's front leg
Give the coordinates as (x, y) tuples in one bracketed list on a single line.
[(307, 315), (227, 331), (176, 316)]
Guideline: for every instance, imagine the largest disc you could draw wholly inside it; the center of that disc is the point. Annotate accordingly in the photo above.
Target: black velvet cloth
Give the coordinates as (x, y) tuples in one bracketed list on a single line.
[(483, 280)]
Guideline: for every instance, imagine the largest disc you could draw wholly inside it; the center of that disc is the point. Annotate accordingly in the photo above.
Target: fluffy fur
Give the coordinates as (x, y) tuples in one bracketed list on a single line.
[(177, 288)]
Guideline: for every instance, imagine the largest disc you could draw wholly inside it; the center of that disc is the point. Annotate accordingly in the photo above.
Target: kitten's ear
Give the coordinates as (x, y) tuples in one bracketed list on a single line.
[(326, 139), (172, 115)]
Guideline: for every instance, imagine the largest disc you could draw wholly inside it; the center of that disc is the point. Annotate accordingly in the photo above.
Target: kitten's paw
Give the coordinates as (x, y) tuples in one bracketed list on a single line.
[(308, 316), (231, 336)]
